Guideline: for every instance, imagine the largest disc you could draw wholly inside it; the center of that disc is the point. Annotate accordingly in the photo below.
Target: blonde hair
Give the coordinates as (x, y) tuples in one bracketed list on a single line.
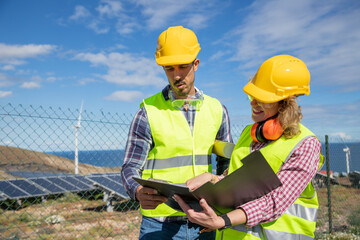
[(290, 116)]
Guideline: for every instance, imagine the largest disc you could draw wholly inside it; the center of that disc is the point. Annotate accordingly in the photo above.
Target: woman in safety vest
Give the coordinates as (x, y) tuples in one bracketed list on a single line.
[(292, 151)]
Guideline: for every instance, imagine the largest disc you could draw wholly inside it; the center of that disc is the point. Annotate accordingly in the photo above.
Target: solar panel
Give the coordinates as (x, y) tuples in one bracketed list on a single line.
[(109, 185), (49, 186), (2, 196), (115, 178), (103, 174), (84, 180), (63, 184), (24, 174), (12, 191), (78, 183), (28, 187)]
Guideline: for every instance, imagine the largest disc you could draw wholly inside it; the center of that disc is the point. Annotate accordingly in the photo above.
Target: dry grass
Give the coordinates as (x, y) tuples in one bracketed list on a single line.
[(71, 216), (78, 218), (345, 202)]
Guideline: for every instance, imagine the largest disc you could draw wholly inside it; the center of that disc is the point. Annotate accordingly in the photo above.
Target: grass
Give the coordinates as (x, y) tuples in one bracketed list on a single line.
[(85, 217), (345, 213)]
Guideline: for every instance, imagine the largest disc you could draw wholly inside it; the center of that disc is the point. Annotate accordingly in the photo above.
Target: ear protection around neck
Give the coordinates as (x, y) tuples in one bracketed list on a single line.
[(267, 130)]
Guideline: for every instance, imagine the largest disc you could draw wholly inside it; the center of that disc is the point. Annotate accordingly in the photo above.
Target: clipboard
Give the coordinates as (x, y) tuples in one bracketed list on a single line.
[(253, 180)]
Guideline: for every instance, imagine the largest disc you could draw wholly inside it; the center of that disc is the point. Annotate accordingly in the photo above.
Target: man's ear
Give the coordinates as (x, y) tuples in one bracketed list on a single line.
[(196, 64)]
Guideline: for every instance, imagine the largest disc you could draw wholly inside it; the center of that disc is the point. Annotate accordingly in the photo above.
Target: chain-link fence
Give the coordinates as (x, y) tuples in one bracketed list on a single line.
[(39, 149), (339, 190)]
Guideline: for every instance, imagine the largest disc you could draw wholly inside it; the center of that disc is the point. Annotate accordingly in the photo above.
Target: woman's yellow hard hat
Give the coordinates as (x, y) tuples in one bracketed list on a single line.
[(278, 78)]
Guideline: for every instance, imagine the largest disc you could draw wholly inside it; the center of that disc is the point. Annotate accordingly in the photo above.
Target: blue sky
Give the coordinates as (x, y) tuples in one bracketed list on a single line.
[(58, 53)]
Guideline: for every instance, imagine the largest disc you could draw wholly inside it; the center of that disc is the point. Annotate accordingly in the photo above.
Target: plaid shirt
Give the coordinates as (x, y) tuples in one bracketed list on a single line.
[(295, 175), (140, 142)]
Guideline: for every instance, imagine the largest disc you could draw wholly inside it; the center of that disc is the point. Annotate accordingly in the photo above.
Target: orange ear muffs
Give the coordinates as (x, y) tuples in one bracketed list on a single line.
[(253, 132), (267, 130), (272, 129)]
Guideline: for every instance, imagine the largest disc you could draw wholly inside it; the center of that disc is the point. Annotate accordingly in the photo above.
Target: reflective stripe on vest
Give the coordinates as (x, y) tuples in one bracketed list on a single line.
[(179, 154), (299, 220), (303, 212), (177, 162), (284, 235), (241, 232)]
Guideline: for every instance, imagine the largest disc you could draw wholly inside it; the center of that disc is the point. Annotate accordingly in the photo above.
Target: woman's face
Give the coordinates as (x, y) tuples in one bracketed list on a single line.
[(262, 111)]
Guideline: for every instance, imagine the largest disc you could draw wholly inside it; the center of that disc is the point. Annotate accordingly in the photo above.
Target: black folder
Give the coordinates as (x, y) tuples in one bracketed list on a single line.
[(253, 180)]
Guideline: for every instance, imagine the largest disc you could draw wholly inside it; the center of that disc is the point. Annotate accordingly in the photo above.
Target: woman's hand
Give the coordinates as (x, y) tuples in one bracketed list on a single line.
[(195, 182), (206, 218)]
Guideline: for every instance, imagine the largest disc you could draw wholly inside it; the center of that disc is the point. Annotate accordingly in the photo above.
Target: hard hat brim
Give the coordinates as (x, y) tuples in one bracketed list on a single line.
[(175, 60), (261, 95)]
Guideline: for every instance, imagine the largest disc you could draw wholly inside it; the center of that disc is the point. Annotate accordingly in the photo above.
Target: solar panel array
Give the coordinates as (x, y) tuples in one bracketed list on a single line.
[(58, 184), (110, 183), (24, 174)]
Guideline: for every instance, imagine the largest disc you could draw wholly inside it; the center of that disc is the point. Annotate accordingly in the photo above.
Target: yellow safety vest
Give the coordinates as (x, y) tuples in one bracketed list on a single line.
[(299, 220), (178, 154)]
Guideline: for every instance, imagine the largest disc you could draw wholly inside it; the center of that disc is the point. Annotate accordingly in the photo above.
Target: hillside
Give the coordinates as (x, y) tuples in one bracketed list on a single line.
[(18, 159)]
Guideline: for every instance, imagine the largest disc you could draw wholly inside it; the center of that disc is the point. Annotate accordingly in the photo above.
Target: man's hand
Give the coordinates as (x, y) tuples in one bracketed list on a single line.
[(149, 198)]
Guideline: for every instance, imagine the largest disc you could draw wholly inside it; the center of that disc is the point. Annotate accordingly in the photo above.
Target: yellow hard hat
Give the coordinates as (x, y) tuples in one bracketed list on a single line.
[(176, 46), (278, 78)]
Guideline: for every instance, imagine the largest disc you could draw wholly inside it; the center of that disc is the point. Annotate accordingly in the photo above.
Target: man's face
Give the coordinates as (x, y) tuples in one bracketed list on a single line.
[(181, 78)]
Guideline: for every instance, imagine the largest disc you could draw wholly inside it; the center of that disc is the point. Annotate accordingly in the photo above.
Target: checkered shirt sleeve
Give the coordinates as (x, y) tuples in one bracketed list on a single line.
[(137, 148), (295, 175)]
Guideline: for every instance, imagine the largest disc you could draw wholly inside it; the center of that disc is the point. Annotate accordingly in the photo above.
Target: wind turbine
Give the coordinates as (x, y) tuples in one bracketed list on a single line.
[(347, 156), (77, 127)]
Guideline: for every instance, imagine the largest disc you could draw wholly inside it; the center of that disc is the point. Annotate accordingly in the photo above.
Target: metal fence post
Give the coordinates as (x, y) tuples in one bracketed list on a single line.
[(328, 181)]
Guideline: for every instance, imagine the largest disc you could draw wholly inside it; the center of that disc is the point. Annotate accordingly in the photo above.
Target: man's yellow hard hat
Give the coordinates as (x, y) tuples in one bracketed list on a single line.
[(176, 46), (278, 78)]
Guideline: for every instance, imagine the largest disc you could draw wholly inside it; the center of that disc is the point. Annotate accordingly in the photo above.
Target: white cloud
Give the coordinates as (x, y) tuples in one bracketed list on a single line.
[(6, 80), (83, 15), (156, 14), (8, 68), (127, 96), (218, 55), (197, 20), (101, 20), (4, 94), (36, 78), (343, 136), (109, 8), (127, 27), (13, 54), (85, 81), (99, 26), (126, 69), (80, 13), (95, 59), (327, 119), (192, 13), (24, 51), (323, 33), (51, 79), (30, 85), (333, 114)]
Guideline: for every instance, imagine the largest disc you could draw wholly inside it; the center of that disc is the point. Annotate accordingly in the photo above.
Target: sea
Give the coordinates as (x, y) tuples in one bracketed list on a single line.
[(114, 158)]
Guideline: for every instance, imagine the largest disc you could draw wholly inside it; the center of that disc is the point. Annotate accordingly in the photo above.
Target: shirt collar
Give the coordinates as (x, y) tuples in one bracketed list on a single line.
[(166, 91)]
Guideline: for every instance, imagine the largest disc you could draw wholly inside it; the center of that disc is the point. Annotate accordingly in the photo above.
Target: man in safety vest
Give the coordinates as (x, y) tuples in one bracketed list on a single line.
[(292, 151), (172, 136)]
